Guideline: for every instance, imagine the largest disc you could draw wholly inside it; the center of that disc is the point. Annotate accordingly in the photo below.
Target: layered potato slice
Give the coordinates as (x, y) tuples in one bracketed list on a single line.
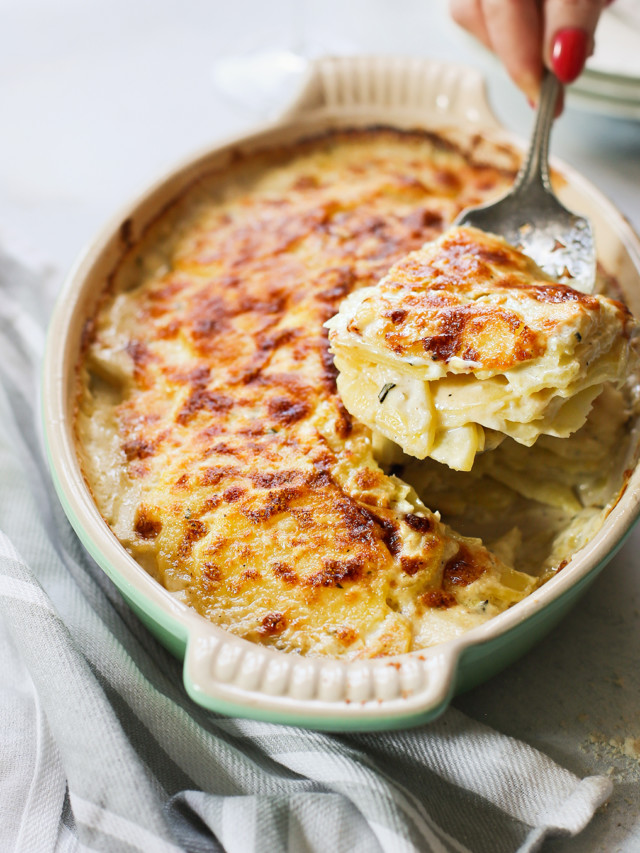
[(466, 341)]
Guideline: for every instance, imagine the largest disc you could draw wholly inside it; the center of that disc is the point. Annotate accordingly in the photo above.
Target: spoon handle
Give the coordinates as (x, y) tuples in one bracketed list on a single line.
[(535, 169)]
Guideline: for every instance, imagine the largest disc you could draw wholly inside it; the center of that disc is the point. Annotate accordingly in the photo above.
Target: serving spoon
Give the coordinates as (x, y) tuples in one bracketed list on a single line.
[(530, 216)]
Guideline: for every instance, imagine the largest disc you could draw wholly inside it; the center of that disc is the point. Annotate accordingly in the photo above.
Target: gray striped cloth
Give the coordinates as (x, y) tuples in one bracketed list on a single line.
[(100, 748)]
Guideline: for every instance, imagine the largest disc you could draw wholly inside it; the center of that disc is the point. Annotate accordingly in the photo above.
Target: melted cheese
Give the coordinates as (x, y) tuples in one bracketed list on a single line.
[(467, 335), (209, 424)]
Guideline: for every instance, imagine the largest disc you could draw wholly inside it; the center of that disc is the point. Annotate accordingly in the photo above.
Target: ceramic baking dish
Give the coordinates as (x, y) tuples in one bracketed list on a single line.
[(229, 674)]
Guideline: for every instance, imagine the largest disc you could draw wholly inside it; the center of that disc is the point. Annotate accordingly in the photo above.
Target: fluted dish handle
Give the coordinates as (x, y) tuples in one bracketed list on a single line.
[(353, 85), (228, 674)]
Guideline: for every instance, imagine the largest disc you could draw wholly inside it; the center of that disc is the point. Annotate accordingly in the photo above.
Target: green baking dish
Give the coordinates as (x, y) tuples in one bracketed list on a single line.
[(228, 674)]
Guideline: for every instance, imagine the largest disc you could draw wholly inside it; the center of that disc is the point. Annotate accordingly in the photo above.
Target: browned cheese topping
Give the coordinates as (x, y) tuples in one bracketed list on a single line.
[(246, 488), (453, 316)]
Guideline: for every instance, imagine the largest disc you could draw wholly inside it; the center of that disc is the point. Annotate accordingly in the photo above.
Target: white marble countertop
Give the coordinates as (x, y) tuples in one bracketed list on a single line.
[(98, 98)]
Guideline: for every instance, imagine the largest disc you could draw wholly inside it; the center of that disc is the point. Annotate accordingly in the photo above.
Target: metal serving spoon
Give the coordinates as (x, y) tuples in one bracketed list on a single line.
[(531, 218)]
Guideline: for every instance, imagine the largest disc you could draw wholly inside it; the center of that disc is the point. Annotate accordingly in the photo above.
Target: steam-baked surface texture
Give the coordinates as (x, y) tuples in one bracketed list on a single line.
[(467, 335), (209, 424)]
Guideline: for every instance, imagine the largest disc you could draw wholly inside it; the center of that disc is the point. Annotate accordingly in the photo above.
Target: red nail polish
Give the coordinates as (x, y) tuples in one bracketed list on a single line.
[(569, 53)]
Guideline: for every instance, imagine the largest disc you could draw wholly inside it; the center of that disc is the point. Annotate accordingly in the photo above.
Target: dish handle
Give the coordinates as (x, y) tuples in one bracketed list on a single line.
[(437, 91), (234, 677)]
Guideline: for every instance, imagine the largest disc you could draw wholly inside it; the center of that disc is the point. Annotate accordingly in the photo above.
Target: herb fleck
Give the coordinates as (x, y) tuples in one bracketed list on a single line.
[(385, 390)]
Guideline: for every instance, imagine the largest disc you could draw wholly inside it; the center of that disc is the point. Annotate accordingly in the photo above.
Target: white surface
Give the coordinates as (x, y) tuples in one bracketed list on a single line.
[(98, 96)]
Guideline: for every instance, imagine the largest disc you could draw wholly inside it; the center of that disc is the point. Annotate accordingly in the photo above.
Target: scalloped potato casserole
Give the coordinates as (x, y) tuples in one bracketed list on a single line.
[(280, 505), (467, 340)]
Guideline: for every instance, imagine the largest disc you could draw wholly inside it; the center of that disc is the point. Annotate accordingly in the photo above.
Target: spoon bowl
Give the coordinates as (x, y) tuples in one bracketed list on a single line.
[(531, 218)]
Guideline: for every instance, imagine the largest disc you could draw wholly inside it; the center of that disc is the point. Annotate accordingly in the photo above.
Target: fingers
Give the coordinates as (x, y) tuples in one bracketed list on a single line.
[(469, 15), (515, 31), (568, 39), (524, 33), (510, 28)]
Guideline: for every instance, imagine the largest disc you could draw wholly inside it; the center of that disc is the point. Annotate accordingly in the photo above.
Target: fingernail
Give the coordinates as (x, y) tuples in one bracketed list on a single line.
[(569, 53)]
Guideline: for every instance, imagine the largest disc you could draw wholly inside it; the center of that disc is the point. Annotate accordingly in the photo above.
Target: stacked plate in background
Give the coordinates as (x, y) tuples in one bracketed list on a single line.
[(610, 83)]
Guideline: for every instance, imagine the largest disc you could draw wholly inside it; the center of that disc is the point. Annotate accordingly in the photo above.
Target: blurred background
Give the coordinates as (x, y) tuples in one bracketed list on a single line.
[(97, 97)]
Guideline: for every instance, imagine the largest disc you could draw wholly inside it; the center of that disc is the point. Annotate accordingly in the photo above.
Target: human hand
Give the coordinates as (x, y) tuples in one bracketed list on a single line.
[(527, 34)]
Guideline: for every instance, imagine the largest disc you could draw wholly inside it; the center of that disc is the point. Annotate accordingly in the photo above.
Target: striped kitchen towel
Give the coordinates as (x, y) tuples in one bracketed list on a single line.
[(101, 749)]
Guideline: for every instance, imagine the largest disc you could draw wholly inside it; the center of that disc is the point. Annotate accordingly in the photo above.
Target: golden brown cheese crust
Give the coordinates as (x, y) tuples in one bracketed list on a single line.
[(257, 496), (467, 335), (441, 290)]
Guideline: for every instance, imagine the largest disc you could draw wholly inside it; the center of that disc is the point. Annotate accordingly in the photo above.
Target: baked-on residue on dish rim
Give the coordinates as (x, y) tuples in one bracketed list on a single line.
[(221, 671)]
